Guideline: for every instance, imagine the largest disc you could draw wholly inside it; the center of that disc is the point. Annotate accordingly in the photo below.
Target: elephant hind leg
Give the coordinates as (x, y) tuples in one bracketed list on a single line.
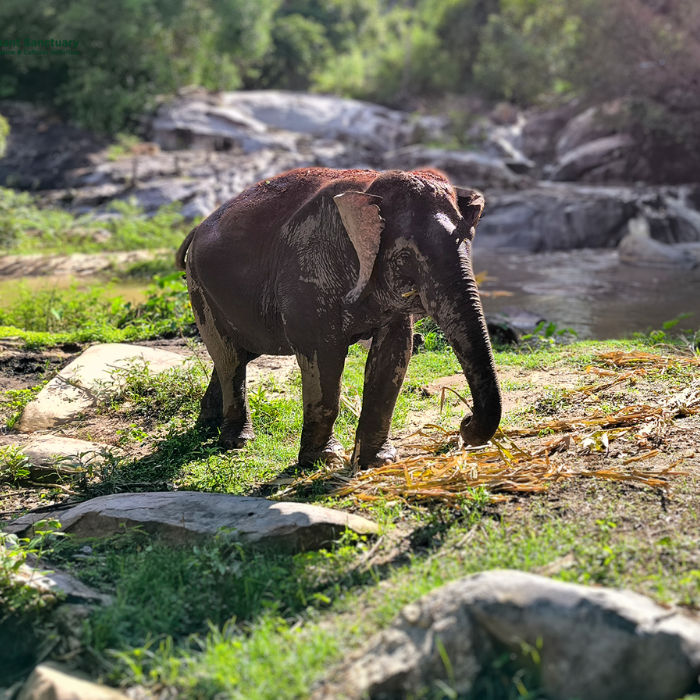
[(237, 427), (225, 402), (211, 411)]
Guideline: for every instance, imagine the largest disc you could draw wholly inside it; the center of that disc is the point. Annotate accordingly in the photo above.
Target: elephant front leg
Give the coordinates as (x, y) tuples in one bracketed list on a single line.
[(321, 381), (385, 370)]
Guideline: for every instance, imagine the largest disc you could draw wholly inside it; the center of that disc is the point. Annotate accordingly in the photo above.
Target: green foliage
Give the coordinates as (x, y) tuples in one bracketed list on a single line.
[(172, 393), (17, 598), (130, 52), (53, 310), (13, 401), (549, 334), (167, 307), (4, 133), (28, 227), (55, 316), (526, 49), (13, 464), (433, 338)]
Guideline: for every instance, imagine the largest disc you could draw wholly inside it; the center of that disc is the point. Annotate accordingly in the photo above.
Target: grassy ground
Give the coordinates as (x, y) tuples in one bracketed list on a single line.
[(27, 226), (212, 620)]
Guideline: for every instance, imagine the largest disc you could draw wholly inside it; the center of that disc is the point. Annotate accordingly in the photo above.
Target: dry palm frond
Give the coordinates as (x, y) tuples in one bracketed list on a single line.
[(502, 467), (619, 358)]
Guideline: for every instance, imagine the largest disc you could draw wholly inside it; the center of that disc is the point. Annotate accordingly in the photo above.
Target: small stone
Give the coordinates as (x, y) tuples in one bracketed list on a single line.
[(52, 455), (411, 613), (53, 581)]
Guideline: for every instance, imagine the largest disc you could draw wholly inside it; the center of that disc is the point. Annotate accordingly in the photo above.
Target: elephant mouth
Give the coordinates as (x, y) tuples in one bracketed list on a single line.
[(411, 301)]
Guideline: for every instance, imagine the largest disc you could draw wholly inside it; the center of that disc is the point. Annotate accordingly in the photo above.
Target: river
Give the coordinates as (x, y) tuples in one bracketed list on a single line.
[(590, 291), (587, 290)]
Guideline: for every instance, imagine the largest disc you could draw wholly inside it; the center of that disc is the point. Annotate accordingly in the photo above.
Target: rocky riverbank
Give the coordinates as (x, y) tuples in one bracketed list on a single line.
[(554, 180)]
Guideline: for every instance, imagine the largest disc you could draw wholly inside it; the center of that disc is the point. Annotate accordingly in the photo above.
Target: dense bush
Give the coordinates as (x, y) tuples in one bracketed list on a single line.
[(525, 51), (97, 314), (132, 51)]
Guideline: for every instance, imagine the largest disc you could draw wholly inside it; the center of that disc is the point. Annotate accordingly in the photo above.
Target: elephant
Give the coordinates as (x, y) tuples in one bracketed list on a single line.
[(314, 260)]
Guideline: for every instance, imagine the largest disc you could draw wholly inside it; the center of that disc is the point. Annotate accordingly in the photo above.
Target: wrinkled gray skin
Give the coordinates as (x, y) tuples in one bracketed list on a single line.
[(313, 261)]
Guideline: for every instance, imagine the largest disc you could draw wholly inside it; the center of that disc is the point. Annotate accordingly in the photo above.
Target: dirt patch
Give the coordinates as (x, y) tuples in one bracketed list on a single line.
[(22, 369), (76, 264)]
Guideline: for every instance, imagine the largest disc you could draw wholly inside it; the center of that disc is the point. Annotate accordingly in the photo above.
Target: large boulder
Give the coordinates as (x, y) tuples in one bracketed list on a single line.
[(210, 124), (555, 217), (638, 248), (41, 149), (593, 123), (73, 390), (540, 133), (609, 159), (256, 119), (465, 168), (586, 643), (190, 516)]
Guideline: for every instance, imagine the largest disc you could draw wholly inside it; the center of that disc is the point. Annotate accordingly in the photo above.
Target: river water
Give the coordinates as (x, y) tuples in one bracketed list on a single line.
[(590, 291), (587, 290)]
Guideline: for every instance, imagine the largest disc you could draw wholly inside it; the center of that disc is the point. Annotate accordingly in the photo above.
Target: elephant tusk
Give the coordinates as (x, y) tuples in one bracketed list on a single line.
[(406, 295)]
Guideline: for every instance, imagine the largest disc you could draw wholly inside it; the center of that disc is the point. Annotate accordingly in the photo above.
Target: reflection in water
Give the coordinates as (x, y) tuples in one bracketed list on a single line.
[(590, 291)]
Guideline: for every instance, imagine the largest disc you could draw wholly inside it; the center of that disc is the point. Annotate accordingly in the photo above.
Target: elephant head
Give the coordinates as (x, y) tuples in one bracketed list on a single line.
[(412, 233)]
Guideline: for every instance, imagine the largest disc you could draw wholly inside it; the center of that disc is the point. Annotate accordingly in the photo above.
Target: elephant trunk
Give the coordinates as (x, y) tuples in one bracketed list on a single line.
[(456, 308)]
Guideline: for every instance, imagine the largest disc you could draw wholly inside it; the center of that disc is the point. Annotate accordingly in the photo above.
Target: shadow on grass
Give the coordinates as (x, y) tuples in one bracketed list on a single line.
[(157, 470)]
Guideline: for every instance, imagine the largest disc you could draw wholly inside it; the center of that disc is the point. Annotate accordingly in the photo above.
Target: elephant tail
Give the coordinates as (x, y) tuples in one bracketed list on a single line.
[(182, 250)]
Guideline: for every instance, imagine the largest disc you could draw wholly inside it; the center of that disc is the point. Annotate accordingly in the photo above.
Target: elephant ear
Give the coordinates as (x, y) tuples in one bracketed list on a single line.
[(471, 204), (359, 212)]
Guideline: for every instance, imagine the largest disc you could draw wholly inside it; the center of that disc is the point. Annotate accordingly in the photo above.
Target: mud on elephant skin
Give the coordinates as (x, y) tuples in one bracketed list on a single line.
[(314, 260)]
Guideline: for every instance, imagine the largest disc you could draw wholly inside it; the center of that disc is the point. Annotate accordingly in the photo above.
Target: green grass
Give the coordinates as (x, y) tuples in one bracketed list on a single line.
[(212, 620), (299, 614), (26, 226), (51, 317)]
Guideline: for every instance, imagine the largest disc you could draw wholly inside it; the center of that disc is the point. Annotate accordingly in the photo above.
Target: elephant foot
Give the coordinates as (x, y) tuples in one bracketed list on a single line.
[(367, 459), (332, 450), (209, 424), (234, 437)]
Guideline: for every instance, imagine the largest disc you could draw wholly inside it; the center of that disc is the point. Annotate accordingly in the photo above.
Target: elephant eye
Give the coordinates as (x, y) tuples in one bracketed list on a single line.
[(403, 258)]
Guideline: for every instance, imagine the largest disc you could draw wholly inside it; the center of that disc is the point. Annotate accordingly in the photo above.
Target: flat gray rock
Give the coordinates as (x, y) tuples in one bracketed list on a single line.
[(72, 390), (595, 643), (465, 168), (188, 516), (55, 454), (256, 119), (48, 580), (555, 216)]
